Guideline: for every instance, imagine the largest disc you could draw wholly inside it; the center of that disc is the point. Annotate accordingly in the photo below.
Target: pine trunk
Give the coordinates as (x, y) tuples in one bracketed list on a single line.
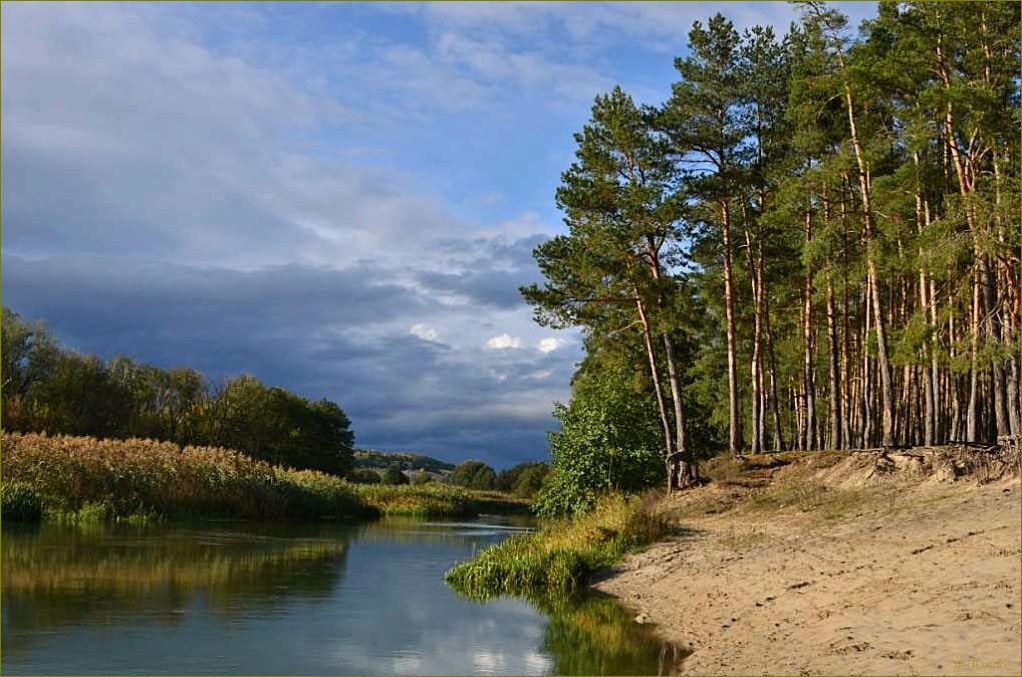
[(734, 429), (809, 381), (655, 377)]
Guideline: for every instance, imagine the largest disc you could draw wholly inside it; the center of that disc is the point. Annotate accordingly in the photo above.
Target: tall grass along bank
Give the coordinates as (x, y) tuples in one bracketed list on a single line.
[(560, 556), (77, 477)]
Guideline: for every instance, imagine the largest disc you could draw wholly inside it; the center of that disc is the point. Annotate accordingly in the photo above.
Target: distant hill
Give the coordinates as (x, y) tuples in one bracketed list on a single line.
[(371, 458)]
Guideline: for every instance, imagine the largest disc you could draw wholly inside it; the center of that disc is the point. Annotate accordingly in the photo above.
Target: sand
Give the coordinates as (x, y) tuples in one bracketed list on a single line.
[(892, 576)]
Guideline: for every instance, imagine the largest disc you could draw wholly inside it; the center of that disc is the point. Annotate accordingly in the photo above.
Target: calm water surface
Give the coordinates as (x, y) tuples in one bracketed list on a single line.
[(290, 599)]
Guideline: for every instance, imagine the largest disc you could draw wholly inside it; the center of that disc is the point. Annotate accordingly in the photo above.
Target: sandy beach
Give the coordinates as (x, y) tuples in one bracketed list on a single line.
[(825, 566)]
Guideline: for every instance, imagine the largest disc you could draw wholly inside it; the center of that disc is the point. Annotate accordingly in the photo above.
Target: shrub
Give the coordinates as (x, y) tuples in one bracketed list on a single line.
[(523, 480), (365, 476), (393, 475), (473, 475), (530, 480), (422, 477), (607, 442)]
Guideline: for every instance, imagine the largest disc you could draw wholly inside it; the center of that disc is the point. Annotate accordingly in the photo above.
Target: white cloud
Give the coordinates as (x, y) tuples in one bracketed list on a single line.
[(658, 26), (192, 151), (503, 342), (550, 344), (423, 331)]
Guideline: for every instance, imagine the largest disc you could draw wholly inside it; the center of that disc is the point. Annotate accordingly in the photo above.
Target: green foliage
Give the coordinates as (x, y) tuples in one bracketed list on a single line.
[(830, 180), (371, 458), (608, 441), (394, 476), (19, 503), (559, 557), (420, 477), (473, 475), (280, 427), (522, 480), (595, 635), (49, 389), (365, 476)]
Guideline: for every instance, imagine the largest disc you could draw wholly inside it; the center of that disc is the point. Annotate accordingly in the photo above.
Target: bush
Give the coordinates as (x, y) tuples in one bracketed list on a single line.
[(422, 477), (530, 480), (523, 480), (365, 476), (473, 475), (608, 442), (393, 475), (19, 503)]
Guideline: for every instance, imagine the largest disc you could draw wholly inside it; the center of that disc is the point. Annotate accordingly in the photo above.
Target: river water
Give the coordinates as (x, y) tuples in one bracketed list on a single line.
[(253, 598)]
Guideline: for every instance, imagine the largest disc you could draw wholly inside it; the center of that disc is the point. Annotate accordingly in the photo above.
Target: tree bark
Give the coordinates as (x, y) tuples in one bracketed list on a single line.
[(930, 420), (972, 409), (756, 279), (734, 431), (655, 376), (778, 441), (834, 442), (886, 390), (867, 391), (682, 467), (808, 374)]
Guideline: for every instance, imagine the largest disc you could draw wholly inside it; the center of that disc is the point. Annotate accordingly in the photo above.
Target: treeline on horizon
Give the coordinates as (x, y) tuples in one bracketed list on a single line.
[(812, 244), (47, 388)]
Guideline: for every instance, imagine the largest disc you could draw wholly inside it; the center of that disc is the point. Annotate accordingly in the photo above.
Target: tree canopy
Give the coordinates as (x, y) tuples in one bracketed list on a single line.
[(812, 243), (48, 388), (473, 475)]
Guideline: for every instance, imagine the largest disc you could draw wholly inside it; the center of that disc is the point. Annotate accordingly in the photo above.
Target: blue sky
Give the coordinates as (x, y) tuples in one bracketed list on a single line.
[(340, 198)]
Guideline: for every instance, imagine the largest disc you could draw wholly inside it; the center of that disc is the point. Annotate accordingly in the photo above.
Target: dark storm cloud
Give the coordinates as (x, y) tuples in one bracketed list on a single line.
[(323, 332), (492, 271), (185, 207)]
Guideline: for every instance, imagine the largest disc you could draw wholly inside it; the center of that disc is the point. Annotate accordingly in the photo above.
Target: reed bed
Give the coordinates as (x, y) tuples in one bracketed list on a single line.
[(75, 478), (19, 502), (119, 478), (427, 500)]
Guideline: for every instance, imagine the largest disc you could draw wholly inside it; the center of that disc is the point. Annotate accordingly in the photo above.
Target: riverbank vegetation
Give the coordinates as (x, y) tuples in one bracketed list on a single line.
[(50, 388), (72, 478), (559, 557), (811, 244)]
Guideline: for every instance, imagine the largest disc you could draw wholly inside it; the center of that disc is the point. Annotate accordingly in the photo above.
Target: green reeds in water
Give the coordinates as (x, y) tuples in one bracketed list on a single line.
[(560, 557)]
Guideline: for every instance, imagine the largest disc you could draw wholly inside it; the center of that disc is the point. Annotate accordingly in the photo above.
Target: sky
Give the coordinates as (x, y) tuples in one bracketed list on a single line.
[(339, 198)]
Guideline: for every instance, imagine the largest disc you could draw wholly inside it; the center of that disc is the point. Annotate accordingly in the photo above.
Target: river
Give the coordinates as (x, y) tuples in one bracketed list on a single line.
[(254, 598)]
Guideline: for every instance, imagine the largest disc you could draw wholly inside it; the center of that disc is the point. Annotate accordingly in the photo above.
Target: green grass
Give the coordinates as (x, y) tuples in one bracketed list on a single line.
[(76, 479), (561, 555)]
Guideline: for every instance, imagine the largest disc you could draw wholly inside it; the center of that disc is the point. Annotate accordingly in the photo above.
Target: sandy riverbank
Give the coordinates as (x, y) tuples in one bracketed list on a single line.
[(825, 566)]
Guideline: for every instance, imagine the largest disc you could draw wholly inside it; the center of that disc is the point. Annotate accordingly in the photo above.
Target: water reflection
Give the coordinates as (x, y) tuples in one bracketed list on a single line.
[(254, 598), (593, 635)]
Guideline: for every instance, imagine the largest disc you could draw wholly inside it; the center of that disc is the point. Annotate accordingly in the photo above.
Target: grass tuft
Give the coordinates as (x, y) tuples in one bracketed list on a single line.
[(559, 557)]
